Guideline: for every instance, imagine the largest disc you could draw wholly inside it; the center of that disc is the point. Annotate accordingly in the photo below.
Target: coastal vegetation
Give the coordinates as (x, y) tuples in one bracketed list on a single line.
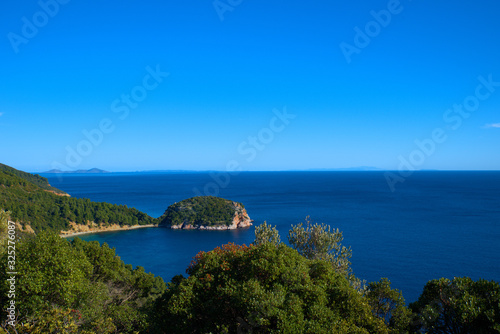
[(269, 287), (77, 287), (266, 287), (460, 305), (36, 179), (34, 203), (4, 221), (263, 289), (201, 211)]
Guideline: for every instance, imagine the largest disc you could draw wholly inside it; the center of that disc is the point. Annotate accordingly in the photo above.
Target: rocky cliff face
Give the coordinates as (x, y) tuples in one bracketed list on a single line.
[(240, 220)]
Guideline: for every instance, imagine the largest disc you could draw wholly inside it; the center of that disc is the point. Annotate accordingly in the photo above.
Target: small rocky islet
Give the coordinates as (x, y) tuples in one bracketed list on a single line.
[(205, 213)]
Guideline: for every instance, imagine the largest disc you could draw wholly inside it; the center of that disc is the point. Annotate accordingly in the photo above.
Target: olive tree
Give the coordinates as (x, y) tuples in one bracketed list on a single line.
[(264, 233), (321, 242)]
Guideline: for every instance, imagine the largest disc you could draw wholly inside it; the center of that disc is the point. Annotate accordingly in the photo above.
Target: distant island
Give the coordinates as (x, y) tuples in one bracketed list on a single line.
[(205, 213), (79, 171)]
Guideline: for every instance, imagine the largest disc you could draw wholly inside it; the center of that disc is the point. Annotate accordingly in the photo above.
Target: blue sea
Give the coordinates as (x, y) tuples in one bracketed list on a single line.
[(435, 224)]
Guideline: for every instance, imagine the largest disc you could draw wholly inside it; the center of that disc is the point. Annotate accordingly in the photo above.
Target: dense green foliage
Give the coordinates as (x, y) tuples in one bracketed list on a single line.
[(36, 179), (263, 289), (4, 218), (320, 242), (389, 305), (268, 287), (81, 284), (43, 210), (202, 210), (460, 305), (271, 288)]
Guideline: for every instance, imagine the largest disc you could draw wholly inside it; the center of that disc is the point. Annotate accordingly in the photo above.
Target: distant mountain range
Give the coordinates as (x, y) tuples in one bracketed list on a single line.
[(100, 171), (360, 168), (80, 171)]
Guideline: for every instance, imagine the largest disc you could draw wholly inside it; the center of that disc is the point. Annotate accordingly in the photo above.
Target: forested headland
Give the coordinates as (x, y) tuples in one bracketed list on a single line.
[(33, 202), (36, 179)]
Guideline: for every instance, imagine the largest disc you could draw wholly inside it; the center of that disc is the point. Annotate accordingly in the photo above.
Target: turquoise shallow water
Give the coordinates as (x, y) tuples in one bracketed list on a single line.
[(436, 224)]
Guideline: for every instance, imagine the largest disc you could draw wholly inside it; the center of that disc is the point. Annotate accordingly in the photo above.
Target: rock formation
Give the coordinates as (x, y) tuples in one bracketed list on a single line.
[(206, 213)]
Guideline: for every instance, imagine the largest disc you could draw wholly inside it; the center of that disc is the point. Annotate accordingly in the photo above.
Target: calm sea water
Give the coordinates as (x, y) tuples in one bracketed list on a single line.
[(436, 224)]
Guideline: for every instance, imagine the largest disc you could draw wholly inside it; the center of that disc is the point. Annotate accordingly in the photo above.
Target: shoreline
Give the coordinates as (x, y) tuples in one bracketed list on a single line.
[(69, 235)]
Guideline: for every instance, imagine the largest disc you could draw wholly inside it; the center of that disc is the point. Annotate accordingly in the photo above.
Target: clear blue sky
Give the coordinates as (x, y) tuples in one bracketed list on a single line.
[(227, 76)]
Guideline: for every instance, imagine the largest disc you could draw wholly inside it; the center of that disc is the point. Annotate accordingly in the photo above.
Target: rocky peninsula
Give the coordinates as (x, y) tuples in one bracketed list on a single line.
[(205, 213)]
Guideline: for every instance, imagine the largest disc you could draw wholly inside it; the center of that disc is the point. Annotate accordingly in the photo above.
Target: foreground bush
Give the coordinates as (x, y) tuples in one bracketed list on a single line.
[(78, 284), (460, 305), (268, 287), (388, 304), (263, 289)]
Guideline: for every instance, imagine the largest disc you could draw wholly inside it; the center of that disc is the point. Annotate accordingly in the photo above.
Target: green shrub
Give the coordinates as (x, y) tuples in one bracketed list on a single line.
[(460, 305), (262, 289), (54, 274)]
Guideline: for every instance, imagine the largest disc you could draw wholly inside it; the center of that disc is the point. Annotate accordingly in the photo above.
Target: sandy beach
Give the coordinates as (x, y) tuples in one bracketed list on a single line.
[(109, 229)]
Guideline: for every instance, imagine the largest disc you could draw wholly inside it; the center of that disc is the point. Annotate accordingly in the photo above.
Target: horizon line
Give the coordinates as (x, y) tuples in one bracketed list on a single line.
[(353, 169)]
